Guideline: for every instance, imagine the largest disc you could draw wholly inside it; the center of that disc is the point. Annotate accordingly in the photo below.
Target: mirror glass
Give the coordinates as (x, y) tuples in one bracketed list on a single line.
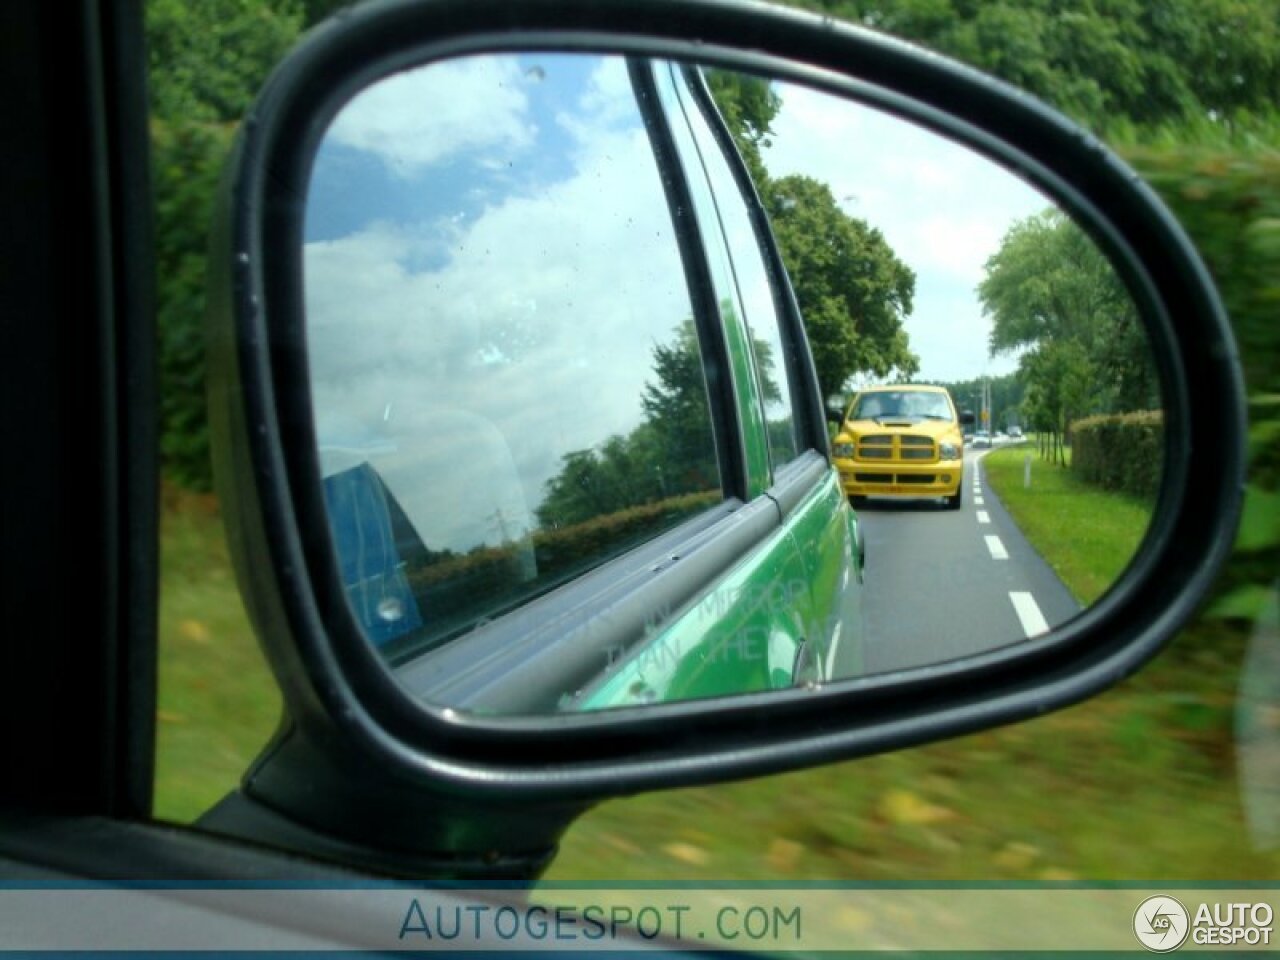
[(560, 400)]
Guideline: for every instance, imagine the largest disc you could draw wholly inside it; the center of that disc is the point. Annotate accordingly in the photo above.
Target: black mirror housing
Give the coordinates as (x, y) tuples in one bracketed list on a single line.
[(383, 759)]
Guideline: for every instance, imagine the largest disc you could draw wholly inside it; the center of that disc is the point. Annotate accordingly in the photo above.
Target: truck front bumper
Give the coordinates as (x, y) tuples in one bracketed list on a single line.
[(940, 479)]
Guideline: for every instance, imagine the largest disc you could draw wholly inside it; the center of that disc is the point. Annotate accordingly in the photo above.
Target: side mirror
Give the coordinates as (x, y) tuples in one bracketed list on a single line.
[(502, 276), (835, 416), (967, 418)]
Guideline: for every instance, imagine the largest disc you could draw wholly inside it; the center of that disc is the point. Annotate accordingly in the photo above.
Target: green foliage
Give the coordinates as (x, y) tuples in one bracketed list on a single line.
[(207, 61), (454, 586), (1049, 284), (748, 105), (1006, 398), (1050, 293), (671, 453), (1104, 62), (1228, 199), (853, 291), (1122, 452), (187, 161)]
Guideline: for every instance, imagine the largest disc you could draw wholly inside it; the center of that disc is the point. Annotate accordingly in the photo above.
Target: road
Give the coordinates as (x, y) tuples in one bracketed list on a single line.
[(941, 584)]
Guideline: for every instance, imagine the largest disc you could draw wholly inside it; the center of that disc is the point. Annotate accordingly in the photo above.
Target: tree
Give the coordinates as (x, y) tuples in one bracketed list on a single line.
[(1059, 378), (1050, 293), (1007, 398), (748, 105), (206, 61), (671, 453), (1049, 281), (1105, 62), (198, 93), (676, 411), (853, 291)]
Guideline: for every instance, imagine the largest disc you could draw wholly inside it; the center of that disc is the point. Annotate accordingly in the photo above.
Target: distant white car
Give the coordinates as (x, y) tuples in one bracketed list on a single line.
[(982, 439)]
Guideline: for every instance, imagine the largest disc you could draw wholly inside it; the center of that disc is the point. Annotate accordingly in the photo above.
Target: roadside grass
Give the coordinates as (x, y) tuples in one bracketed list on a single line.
[(218, 704), (1087, 535), (1137, 784)]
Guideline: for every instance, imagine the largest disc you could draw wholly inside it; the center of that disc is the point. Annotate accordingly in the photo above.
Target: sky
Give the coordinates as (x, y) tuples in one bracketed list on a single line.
[(942, 207)]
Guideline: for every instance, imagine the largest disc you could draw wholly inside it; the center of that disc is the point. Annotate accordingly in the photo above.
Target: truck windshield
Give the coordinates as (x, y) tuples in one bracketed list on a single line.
[(901, 403)]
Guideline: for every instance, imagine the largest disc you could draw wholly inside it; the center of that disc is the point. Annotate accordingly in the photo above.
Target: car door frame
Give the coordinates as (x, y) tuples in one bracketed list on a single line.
[(805, 488)]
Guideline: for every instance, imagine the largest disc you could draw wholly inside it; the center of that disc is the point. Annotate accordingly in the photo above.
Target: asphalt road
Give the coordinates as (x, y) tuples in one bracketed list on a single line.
[(941, 584)]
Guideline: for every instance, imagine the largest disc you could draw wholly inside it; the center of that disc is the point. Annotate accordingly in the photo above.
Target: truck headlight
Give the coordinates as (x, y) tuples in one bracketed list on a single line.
[(949, 451), (842, 451)]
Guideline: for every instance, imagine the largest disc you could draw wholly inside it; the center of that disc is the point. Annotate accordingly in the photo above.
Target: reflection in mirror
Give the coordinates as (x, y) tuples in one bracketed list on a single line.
[(553, 377)]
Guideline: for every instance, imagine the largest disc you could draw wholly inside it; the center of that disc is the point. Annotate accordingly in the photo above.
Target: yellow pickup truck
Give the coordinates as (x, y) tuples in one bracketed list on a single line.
[(902, 440)]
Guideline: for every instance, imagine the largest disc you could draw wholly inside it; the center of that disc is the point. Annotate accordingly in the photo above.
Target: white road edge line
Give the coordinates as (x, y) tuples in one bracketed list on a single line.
[(979, 502), (984, 517), (1028, 611), (998, 552)]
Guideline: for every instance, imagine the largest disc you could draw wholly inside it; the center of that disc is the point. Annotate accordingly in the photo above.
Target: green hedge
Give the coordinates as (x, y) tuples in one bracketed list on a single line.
[(1228, 199), (456, 589), (1120, 451)]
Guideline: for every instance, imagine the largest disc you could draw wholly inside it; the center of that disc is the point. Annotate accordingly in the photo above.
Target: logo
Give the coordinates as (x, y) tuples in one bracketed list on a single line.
[(1161, 924)]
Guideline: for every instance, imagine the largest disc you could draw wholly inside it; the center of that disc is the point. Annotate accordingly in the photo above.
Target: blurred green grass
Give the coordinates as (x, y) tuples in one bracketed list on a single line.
[(1138, 783), (217, 702), (1087, 535)]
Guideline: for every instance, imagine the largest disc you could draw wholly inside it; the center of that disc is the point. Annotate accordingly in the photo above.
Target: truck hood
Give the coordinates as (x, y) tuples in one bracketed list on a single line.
[(919, 426)]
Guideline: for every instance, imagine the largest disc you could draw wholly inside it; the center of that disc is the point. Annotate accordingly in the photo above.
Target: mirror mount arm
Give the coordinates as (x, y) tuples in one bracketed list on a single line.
[(297, 799)]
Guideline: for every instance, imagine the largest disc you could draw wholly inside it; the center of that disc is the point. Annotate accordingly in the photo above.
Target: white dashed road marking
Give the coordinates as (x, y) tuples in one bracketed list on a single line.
[(984, 517), (1033, 621), (998, 552), (978, 502)]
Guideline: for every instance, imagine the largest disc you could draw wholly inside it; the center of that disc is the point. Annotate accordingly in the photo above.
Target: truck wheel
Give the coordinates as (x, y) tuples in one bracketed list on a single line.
[(954, 503)]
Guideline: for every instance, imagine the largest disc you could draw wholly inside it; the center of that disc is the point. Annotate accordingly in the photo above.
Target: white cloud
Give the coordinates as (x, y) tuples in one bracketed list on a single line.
[(422, 117)]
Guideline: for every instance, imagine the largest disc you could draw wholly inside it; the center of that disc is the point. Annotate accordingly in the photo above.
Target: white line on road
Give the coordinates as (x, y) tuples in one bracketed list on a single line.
[(984, 517), (1033, 621), (979, 502), (998, 552)]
